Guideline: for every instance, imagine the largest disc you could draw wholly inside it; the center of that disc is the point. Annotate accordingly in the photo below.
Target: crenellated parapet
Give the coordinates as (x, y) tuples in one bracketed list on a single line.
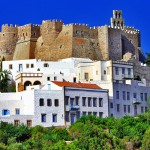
[(28, 31), (9, 28), (53, 40)]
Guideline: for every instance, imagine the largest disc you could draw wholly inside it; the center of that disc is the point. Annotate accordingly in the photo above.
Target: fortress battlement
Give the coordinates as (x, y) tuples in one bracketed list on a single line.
[(9, 28), (54, 40)]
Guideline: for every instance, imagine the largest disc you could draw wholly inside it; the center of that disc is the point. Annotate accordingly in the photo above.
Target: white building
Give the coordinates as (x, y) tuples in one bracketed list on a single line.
[(54, 104), (125, 93), (33, 72)]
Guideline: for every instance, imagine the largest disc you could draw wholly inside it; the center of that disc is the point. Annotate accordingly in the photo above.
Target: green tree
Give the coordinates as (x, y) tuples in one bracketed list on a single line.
[(146, 140), (4, 78), (148, 59)]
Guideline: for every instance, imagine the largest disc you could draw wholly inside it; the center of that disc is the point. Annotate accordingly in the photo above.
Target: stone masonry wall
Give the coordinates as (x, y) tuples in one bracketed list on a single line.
[(115, 44), (53, 41)]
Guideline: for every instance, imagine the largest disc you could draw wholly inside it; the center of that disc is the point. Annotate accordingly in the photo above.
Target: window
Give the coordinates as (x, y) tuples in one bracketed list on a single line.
[(95, 113), (124, 95), (145, 109), (56, 102), (116, 70), (67, 116), (129, 71), (17, 122), (46, 65), (5, 112), (141, 96), (74, 79), (48, 78), (60, 46), (117, 94), (100, 102), (145, 96), (104, 72), (10, 66), (100, 114), (84, 113), (67, 100), (55, 78), (111, 105), (128, 108), (89, 102), (123, 70), (83, 101), (128, 95), (27, 65), (77, 100), (134, 95), (17, 110), (94, 102), (125, 108), (72, 101), (49, 102), (32, 65), (89, 113), (86, 76), (54, 117), (43, 117), (20, 67), (118, 107), (41, 102), (29, 123), (142, 109)]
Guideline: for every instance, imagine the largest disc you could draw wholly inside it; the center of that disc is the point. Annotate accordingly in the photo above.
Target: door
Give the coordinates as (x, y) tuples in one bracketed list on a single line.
[(135, 110), (71, 101), (72, 118)]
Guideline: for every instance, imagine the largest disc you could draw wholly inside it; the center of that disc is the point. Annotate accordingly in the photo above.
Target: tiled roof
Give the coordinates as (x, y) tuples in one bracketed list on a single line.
[(78, 85)]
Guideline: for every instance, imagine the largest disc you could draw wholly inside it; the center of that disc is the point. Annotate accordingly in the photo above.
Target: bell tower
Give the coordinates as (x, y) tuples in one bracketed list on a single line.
[(117, 20)]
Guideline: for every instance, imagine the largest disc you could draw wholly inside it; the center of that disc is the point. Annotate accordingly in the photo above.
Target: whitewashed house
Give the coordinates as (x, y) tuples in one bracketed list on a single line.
[(35, 72), (126, 95), (54, 104)]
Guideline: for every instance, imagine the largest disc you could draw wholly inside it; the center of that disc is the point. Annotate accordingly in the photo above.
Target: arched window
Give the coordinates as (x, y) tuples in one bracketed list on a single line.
[(116, 15), (114, 23), (27, 83), (118, 23), (37, 83)]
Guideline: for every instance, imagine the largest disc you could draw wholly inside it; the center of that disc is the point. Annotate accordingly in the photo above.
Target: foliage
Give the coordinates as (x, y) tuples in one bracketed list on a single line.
[(89, 132), (146, 141), (148, 59), (4, 78)]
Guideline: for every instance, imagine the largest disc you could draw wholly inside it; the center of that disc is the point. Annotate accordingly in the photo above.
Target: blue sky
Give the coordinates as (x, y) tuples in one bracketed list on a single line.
[(93, 12)]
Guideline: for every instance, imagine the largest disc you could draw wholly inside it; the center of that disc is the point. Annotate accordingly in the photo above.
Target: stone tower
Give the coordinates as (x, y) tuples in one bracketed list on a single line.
[(54, 40), (8, 40), (27, 38), (117, 20)]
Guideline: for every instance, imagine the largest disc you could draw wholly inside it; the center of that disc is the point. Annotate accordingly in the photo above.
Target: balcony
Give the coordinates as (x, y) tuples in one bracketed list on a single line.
[(72, 107), (136, 101)]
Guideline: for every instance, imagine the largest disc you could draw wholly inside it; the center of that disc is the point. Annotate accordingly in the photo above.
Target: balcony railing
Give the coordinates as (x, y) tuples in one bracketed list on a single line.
[(72, 107), (136, 101)]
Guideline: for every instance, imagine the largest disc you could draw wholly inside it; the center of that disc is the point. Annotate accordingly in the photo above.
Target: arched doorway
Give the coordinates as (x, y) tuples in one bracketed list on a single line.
[(37, 83), (27, 83)]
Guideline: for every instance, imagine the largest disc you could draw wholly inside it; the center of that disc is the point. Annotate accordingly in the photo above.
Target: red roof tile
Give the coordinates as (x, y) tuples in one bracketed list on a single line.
[(78, 85)]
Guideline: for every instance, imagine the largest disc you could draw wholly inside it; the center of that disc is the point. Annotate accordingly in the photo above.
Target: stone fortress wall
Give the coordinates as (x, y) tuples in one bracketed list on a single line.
[(53, 40)]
